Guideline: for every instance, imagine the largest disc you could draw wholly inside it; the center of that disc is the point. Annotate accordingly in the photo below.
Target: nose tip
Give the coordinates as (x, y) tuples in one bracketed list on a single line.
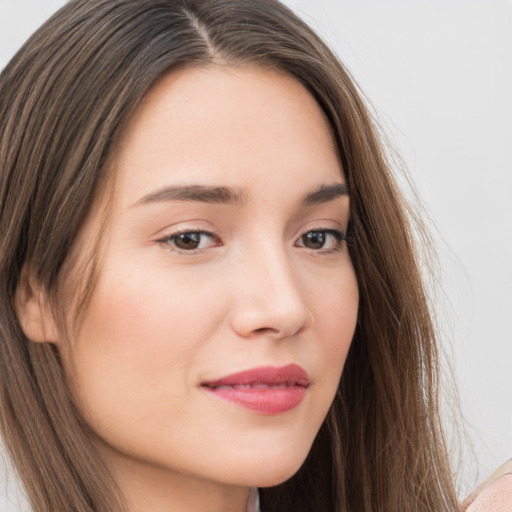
[(271, 305), (271, 322)]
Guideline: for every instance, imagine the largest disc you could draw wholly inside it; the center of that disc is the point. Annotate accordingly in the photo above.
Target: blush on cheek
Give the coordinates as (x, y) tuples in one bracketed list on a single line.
[(149, 325), (339, 329)]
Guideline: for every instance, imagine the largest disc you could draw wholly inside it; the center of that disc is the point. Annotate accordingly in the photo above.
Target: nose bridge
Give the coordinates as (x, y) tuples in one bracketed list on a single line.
[(269, 298)]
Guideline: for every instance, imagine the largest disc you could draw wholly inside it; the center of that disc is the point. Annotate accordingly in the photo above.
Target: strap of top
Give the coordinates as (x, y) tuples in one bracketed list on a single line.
[(253, 505), (492, 495)]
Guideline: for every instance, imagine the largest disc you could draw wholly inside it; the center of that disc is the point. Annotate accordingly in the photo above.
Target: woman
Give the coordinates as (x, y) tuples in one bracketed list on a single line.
[(200, 235)]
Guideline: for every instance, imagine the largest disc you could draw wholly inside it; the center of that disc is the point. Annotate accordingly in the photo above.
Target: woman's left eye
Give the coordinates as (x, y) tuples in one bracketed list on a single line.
[(322, 240), (189, 241)]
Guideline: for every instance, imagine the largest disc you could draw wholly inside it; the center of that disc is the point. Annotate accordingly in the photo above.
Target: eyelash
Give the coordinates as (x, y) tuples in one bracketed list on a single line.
[(340, 240), (170, 241)]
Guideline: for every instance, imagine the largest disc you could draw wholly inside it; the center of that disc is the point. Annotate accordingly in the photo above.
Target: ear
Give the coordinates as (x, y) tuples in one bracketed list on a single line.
[(35, 315)]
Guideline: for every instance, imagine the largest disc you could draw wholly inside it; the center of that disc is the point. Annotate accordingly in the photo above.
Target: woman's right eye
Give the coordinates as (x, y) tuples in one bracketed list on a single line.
[(190, 241)]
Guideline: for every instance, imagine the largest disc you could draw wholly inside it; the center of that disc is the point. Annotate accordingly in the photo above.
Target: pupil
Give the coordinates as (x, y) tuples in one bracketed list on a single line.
[(315, 240), (188, 240)]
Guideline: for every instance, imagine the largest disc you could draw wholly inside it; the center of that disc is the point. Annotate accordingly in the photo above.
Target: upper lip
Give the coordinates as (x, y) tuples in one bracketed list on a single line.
[(290, 375)]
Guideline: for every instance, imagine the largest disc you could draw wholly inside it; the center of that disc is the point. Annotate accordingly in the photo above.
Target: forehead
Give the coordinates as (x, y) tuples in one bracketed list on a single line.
[(235, 125)]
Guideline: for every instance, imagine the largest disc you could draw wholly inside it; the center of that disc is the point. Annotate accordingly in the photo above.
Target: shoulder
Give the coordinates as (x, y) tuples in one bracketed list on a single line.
[(495, 494)]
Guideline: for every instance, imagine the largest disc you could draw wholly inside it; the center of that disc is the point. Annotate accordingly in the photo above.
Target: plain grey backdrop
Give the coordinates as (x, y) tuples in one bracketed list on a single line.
[(438, 74)]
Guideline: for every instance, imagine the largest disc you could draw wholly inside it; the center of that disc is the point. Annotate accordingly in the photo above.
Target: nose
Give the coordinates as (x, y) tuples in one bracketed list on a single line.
[(268, 300)]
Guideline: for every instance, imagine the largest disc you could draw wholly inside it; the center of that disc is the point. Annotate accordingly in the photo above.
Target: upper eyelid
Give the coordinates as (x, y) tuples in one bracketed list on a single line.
[(212, 232), (177, 229)]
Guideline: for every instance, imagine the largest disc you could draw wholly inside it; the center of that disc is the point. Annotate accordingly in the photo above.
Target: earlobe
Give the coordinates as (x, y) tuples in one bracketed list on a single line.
[(35, 315)]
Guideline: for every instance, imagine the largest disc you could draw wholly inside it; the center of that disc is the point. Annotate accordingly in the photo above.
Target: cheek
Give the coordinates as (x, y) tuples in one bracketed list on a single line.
[(335, 318), (139, 340)]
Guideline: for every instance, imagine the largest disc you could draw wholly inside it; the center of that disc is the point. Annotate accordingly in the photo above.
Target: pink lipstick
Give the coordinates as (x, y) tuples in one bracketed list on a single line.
[(268, 389)]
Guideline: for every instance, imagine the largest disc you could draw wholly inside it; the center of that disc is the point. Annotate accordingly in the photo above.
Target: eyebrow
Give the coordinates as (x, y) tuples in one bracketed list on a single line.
[(326, 193), (235, 197), (195, 193)]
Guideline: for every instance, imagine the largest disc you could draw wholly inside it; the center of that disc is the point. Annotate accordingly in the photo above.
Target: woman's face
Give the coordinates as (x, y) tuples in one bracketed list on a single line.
[(226, 299)]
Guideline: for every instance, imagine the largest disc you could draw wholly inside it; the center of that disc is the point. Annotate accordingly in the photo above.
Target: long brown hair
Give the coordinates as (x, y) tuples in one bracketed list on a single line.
[(64, 100)]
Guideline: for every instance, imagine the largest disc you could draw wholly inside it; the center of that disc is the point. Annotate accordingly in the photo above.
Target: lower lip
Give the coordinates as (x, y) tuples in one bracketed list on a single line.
[(263, 400)]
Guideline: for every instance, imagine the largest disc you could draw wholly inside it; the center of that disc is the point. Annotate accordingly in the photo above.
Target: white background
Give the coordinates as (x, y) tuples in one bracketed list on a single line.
[(439, 74)]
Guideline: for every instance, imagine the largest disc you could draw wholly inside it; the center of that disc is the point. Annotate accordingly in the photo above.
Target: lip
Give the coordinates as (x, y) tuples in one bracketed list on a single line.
[(266, 389)]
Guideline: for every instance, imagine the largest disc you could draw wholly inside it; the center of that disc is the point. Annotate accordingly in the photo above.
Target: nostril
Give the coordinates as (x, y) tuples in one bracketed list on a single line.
[(263, 330)]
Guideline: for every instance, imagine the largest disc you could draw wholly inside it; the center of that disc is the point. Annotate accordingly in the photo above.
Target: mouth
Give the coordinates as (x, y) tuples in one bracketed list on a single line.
[(267, 390)]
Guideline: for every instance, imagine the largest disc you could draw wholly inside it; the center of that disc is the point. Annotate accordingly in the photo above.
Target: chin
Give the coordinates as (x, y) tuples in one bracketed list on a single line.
[(274, 478), (267, 470)]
